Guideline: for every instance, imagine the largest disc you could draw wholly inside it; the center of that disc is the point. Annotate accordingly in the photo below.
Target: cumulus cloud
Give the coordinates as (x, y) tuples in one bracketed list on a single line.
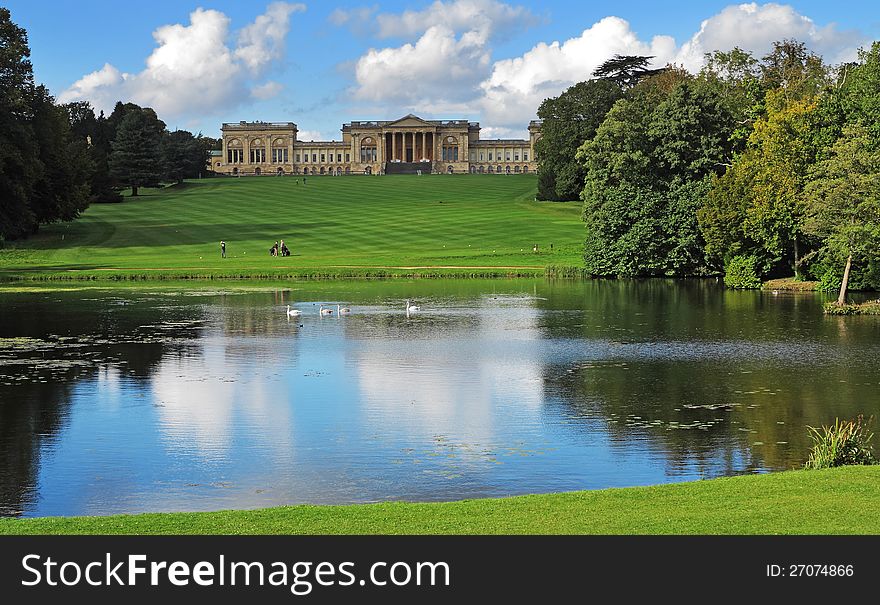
[(755, 27), (440, 65), (458, 16), (516, 86), (192, 69), (447, 61)]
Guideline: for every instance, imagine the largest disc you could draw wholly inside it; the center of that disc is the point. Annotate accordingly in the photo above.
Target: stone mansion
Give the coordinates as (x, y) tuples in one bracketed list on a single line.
[(404, 146)]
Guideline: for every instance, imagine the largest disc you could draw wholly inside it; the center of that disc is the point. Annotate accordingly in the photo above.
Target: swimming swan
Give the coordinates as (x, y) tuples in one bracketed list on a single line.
[(293, 312), (342, 310), (324, 311), (411, 308)]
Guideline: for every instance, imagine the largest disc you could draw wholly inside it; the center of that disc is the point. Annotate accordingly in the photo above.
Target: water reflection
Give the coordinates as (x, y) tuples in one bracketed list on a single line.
[(139, 400)]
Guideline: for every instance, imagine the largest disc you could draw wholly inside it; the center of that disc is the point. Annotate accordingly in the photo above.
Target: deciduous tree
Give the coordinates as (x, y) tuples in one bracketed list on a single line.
[(843, 202)]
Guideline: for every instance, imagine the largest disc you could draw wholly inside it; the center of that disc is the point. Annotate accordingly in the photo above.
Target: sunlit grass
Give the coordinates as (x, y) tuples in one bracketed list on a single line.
[(835, 501), (367, 226)]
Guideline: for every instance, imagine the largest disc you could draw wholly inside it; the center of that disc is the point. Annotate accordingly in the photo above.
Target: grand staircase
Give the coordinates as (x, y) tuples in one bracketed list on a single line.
[(407, 167)]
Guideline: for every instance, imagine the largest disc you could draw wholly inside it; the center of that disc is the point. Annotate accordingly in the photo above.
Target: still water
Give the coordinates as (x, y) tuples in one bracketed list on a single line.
[(166, 399)]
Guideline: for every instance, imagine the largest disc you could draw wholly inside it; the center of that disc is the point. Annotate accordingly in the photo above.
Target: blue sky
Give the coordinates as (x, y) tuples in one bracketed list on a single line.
[(321, 64)]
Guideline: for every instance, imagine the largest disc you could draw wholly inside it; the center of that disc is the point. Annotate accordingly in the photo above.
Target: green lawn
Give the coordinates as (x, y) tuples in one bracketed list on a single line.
[(836, 501), (331, 224)]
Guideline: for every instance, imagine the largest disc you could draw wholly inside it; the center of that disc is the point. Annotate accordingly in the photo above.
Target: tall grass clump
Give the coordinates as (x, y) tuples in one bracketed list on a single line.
[(846, 442), (566, 272)]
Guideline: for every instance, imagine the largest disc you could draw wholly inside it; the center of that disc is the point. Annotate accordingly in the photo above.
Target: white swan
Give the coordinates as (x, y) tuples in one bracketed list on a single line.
[(411, 308), (293, 312), (342, 310), (324, 311)]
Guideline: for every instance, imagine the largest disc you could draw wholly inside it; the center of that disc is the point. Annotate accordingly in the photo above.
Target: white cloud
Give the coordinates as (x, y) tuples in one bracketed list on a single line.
[(755, 27), (458, 16), (515, 88), (192, 69), (263, 41), (314, 135), (447, 61), (267, 91), (354, 17), (440, 65)]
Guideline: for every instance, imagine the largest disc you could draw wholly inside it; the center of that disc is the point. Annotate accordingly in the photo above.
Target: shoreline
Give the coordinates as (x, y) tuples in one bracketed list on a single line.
[(843, 500)]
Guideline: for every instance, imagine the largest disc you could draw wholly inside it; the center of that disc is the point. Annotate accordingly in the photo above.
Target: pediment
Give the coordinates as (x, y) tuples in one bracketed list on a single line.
[(409, 121)]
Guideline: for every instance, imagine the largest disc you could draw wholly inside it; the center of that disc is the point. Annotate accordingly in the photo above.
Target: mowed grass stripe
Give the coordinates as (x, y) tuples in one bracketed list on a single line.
[(353, 221)]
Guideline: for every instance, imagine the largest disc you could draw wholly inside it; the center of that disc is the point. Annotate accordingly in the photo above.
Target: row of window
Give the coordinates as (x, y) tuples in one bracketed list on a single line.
[(368, 170), (499, 169), (280, 156), (507, 158)]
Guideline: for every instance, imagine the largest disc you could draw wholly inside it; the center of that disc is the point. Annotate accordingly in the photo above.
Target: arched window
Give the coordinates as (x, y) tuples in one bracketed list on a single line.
[(482, 169), (348, 170), (450, 169), (490, 170), (279, 152), (322, 170), (525, 169), (368, 150), (498, 170), (338, 170), (368, 170), (450, 150), (257, 171), (516, 169), (234, 152), (473, 169), (258, 152), (235, 170), (280, 171), (507, 170)]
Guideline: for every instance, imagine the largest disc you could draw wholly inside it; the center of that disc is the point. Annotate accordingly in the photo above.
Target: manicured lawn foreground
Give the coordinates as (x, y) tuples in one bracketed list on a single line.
[(836, 501), (335, 227)]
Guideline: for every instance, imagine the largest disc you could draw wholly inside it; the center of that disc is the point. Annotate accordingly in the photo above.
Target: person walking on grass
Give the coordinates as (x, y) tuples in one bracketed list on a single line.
[(222, 249)]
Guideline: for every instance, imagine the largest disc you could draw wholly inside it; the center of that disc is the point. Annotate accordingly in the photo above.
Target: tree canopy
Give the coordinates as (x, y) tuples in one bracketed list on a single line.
[(755, 167), (57, 159)]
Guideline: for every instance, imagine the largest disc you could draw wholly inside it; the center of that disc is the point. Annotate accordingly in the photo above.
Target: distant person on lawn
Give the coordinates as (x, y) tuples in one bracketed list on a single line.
[(222, 249)]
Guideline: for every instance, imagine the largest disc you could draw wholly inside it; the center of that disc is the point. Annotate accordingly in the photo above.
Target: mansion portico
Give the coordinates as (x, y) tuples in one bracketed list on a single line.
[(403, 146)]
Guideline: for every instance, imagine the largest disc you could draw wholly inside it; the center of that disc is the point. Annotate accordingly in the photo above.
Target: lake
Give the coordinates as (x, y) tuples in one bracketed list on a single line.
[(168, 398)]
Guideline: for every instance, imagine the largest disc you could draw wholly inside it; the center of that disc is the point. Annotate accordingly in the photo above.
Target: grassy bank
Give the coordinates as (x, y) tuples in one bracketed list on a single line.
[(429, 226), (790, 284), (836, 501), (871, 307)]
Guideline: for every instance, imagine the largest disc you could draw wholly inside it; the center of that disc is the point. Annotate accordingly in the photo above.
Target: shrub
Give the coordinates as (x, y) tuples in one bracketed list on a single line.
[(844, 443), (741, 272)]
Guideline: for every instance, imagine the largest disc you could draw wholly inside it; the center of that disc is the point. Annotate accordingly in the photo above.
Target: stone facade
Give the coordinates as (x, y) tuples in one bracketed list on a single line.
[(407, 145)]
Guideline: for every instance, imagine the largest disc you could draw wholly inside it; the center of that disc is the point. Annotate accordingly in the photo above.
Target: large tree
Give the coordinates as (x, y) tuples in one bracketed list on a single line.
[(94, 132), (183, 155), (626, 70), (568, 121), (756, 207), (843, 202), (136, 159), (647, 174), (61, 190), (18, 152)]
